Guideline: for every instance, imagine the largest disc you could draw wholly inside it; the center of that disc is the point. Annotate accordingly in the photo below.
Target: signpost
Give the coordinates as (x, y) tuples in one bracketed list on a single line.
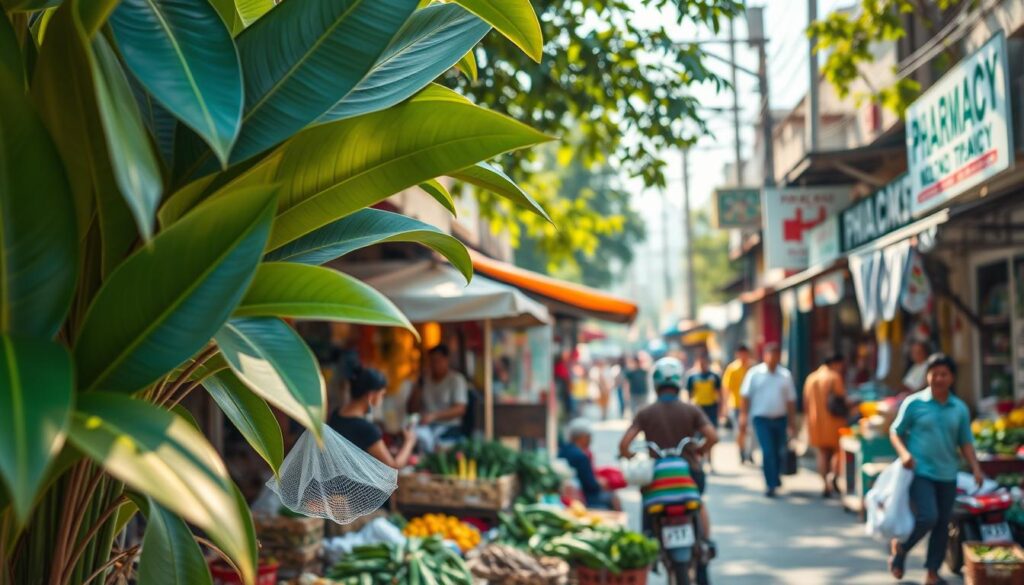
[(738, 207), (789, 214), (958, 132), (884, 211)]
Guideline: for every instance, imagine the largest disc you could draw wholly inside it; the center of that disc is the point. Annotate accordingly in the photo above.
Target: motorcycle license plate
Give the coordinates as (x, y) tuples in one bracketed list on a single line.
[(678, 536), (998, 532)]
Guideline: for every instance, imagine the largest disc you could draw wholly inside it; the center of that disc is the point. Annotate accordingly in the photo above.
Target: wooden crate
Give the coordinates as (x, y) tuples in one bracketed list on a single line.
[(978, 572), (295, 543), (424, 489)]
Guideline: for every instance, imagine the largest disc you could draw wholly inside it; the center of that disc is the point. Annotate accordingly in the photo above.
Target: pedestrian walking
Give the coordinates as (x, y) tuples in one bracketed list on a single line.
[(705, 389), (825, 405), (638, 381), (769, 400), (932, 429), (732, 382)]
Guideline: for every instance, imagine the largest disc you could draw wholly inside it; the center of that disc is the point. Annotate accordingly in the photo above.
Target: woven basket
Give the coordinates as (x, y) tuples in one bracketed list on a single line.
[(586, 576), (556, 573)]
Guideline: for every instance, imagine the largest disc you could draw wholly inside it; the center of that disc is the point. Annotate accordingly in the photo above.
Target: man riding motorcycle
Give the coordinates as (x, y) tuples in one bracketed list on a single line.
[(668, 421)]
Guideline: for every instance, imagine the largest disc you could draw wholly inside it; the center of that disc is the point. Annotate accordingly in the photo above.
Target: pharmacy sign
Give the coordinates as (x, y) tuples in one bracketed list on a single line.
[(958, 132)]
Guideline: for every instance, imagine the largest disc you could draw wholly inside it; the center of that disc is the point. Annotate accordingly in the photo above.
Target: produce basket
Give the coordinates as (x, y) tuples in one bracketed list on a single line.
[(294, 542), (1004, 571), (587, 576), (505, 565), (424, 489)]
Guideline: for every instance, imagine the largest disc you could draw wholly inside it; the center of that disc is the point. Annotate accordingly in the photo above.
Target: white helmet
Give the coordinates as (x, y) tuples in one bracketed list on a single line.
[(668, 371)]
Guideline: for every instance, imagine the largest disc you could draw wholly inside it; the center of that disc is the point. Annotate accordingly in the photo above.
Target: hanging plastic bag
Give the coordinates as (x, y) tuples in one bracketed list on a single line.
[(638, 471), (888, 504), (337, 481)]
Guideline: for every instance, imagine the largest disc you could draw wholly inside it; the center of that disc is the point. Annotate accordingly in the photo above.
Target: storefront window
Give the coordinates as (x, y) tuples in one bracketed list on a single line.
[(994, 308)]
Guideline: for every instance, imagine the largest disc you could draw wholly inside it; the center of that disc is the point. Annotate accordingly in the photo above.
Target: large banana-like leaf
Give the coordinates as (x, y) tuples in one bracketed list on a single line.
[(440, 193), (65, 92), (467, 65), (164, 303), (38, 248), (515, 19), (252, 10), (301, 59), (181, 51), (36, 386), (28, 5), (333, 170), (366, 228), (135, 167), (162, 456), (250, 415), (433, 40), (491, 178), (10, 55), (170, 554), (276, 364), (299, 291)]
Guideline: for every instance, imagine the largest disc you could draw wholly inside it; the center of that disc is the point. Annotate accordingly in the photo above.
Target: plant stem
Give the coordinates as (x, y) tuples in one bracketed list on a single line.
[(205, 542), (167, 392), (95, 528), (64, 534), (183, 394), (118, 557)]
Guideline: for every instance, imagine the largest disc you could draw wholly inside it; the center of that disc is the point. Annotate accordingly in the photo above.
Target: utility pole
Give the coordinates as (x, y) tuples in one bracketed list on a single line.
[(813, 102), (735, 105), (690, 302), (755, 26), (666, 250)]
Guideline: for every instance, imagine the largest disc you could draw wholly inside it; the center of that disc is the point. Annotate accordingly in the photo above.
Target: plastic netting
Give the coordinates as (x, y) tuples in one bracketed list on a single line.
[(337, 481)]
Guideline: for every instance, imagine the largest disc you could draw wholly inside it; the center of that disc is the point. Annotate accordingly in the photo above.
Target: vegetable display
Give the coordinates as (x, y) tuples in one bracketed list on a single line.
[(996, 554), (548, 532), (1002, 436), (420, 561), (472, 460), (447, 527), (506, 564)]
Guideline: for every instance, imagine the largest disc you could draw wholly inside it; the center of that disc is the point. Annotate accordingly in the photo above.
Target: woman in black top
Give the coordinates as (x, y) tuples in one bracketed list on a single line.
[(366, 389)]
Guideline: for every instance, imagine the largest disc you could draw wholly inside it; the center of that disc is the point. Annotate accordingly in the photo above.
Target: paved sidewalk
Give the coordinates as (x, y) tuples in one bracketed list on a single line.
[(796, 539)]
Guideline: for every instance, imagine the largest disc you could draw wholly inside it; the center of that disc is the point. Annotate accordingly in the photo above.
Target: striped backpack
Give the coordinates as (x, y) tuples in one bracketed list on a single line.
[(673, 483)]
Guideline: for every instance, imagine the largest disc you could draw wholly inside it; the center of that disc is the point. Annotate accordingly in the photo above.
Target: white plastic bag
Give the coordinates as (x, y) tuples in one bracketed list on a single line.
[(337, 480), (638, 471), (888, 504)]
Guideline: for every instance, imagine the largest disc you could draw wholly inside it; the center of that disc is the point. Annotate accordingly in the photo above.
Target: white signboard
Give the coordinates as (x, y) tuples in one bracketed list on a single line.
[(823, 242), (958, 132), (788, 216)]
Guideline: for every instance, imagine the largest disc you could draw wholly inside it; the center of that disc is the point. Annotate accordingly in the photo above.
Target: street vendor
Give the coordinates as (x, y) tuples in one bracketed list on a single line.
[(443, 398), (576, 451), (367, 387)]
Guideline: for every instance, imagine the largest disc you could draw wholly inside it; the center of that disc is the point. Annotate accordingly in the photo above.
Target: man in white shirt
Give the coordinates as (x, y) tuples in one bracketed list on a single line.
[(444, 396), (769, 398)]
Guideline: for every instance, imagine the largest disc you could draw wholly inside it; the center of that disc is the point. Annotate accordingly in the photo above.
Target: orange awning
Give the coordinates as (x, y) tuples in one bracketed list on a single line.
[(562, 297)]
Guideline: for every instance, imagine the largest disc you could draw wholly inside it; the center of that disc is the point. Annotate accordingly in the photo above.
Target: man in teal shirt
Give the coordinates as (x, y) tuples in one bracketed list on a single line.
[(932, 429)]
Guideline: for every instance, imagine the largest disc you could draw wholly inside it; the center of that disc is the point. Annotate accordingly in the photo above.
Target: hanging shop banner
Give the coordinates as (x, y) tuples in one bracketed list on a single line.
[(958, 132), (823, 242), (872, 217), (917, 288), (738, 207), (789, 214), (878, 278), (829, 289)]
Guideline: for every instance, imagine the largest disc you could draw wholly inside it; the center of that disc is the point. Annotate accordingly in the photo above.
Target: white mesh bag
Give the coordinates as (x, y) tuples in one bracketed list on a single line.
[(339, 481)]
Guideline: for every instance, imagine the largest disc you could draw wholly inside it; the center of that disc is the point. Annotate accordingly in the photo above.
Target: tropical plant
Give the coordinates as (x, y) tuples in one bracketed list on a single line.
[(172, 173)]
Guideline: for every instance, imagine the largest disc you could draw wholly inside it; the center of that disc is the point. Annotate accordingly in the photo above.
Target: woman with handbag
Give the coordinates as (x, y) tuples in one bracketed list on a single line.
[(827, 409)]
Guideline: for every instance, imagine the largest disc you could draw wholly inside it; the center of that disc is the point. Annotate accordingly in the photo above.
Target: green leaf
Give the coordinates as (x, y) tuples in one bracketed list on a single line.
[(515, 19), (273, 361), (252, 10), (250, 415), (28, 5), (467, 65), (135, 167), (366, 228), (299, 291), (163, 304), (36, 386), (38, 247), (491, 178), (186, 414), (11, 60), (440, 193), (65, 91), (433, 40), (333, 170), (170, 554), (182, 53), (160, 455), (302, 58)]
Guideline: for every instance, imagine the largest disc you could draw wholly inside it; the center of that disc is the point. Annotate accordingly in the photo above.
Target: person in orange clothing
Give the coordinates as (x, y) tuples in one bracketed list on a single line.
[(823, 423)]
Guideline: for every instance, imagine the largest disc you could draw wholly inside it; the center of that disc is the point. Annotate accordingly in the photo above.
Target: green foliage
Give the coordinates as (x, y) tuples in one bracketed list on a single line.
[(848, 40), (604, 232), (710, 260), (171, 172)]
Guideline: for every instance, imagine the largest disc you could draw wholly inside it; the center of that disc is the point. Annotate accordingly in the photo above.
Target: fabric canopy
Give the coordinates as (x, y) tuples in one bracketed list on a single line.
[(564, 297), (434, 292)]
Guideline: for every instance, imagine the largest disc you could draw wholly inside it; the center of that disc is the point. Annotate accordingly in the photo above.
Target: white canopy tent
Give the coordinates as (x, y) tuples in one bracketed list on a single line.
[(430, 291)]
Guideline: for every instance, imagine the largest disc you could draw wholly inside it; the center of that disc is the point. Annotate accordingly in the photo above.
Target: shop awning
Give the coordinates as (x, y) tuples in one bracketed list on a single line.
[(429, 291), (922, 226), (560, 296)]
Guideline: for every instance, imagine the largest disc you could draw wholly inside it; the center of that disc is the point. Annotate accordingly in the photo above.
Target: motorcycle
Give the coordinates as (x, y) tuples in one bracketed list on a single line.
[(676, 521), (978, 518)]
